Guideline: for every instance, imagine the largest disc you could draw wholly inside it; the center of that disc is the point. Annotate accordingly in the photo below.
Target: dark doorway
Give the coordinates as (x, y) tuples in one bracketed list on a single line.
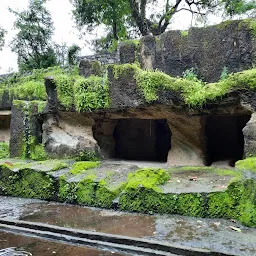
[(139, 139), (225, 140)]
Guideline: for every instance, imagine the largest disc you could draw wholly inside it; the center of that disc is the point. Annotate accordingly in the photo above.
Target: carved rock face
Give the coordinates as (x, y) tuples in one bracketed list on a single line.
[(68, 135)]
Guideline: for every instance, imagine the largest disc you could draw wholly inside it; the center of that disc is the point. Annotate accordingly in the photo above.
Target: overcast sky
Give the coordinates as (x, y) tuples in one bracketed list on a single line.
[(65, 30)]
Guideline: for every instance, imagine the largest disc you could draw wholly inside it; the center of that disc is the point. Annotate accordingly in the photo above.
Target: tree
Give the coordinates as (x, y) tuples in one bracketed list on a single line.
[(112, 13), (73, 52), (120, 15), (2, 35), (158, 22), (61, 51), (33, 40)]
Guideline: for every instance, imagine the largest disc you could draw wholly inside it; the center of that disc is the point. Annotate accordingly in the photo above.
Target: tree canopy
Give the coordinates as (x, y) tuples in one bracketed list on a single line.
[(120, 15), (112, 13), (2, 35), (158, 22), (33, 40)]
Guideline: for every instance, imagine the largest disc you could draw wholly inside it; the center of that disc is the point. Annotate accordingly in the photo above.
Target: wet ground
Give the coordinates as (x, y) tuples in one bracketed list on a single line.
[(39, 247), (215, 234)]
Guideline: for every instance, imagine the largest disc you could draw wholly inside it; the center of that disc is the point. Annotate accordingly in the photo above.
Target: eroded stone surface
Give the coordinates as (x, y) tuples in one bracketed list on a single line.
[(68, 134)]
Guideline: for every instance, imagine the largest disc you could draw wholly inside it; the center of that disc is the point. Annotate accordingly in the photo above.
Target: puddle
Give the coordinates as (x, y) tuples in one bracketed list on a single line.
[(90, 219), (36, 247)]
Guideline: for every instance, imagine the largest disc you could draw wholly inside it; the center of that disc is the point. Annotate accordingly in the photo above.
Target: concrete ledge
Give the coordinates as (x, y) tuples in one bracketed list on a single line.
[(97, 239)]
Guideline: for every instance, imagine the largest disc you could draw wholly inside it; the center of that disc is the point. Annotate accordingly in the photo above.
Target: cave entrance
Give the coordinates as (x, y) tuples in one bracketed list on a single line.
[(225, 140), (5, 121), (143, 140)]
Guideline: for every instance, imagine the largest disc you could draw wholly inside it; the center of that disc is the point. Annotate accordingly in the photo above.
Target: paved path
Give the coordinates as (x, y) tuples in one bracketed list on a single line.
[(214, 234)]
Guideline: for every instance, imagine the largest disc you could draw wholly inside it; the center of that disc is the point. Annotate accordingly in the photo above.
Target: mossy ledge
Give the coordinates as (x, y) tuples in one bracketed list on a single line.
[(141, 191), (195, 93)]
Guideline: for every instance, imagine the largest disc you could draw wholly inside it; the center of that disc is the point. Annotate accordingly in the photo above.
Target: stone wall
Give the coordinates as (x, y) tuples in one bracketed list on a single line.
[(208, 50), (103, 58)]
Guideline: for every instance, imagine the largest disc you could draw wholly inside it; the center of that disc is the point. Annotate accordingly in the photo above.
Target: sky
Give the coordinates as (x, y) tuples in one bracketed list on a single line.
[(65, 31)]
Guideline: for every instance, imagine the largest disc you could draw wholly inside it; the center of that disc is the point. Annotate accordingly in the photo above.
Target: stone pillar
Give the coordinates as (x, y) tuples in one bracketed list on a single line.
[(148, 52), (187, 141), (249, 132)]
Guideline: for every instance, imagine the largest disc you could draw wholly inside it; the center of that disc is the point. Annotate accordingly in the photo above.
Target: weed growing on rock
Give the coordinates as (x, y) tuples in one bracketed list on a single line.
[(4, 150)]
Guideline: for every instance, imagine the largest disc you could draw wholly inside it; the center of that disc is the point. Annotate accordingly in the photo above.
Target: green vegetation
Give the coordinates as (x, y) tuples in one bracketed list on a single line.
[(147, 178), (64, 84), (80, 167), (194, 92), (140, 192), (28, 91), (251, 23), (26, 183), (38, 153), (91, 93), (31, 86), (248, 164), (122, 18), (33, 42), (28, 145), (88, 155), (184, 33), (4, 150)]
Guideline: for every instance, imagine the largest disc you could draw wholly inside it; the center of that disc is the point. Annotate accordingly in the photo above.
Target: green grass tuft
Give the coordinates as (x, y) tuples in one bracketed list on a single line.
[(80, 167)]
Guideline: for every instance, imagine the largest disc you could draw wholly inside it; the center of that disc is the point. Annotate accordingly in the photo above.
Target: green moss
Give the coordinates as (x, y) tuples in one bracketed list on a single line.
[(124, 70), (88, 155), (26, 183), (38, 105), (67, 191), (225, 24), (184, 33), (194, 93), (147, 178), (29, 146), (91, 93), (191, 204), (38, 153), (135, 42), (237, 202), (85, 193), (4, 150), (251, 23), (142, 193), (59, 166), (248, 164), (81, 167)]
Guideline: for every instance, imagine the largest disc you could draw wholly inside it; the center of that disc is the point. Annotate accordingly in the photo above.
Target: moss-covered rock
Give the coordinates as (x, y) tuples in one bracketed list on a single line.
[(144, 190), (248, 164), (26, 183), (195, 93)]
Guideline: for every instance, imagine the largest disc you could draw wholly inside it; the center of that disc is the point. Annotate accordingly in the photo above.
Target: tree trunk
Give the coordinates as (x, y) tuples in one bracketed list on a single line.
[(139, 15)]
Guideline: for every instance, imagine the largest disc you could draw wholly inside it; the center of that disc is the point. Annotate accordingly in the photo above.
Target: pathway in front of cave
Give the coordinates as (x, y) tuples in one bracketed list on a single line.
[(214, 234)]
